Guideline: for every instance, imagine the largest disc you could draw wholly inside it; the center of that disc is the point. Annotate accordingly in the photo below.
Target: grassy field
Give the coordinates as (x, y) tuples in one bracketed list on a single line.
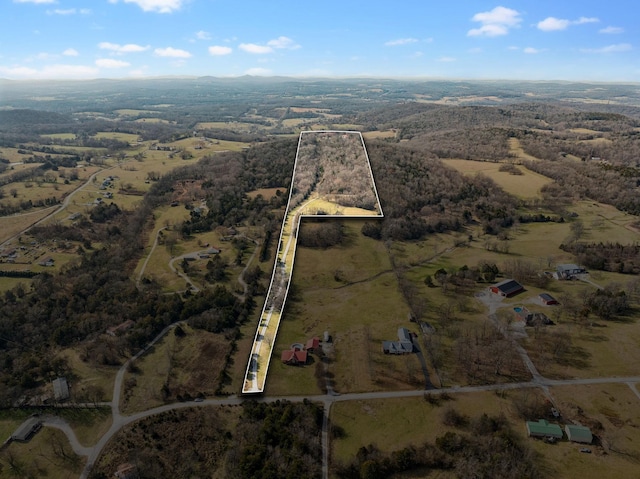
[(89, 424), (610, 410), (112, 135), (230, 125), (186, 365), (526, 185), (47, 454), (378, 134), (61, 136), (89, 376), (266, 193), (12, 154), (393, 424), (516, 149), (132, 112), (613, 414), (351, 292)]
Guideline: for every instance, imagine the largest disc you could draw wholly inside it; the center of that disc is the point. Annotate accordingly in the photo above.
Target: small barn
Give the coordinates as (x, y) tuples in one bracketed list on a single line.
[(507, 288), (579, 434), (60, 389), (547, 299), (542, 428), (27, 429)]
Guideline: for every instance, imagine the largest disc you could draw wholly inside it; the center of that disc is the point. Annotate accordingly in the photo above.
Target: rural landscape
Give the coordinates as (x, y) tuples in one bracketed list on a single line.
[(487, 326)]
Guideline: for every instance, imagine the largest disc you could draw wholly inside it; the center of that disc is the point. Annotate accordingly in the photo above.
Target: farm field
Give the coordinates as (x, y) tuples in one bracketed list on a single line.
[(526, 185)]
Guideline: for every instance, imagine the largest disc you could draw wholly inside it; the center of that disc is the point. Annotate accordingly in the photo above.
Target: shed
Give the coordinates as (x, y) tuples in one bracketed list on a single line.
[(542, 428), (61, 389), (26, 430), (507, 288), (578, 434), (547, 299)]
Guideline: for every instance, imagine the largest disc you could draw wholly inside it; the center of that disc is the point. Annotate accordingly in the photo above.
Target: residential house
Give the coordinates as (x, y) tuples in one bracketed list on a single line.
[(569, 271), (48, 261), (531, 318), (294, 357), (126, 471), (120, 328), (404, 345)]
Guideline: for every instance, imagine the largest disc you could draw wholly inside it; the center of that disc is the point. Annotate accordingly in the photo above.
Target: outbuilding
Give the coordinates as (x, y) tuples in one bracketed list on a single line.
[(542, 428), (27, 429), (579, 434), (507, 288), (547, 299), (61, 389)]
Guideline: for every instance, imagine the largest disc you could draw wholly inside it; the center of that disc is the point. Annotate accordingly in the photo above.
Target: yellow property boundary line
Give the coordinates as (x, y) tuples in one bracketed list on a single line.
[(267, 329)]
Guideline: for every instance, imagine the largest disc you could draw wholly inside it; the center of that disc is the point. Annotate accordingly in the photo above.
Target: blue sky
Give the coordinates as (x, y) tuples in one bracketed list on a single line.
[(541, 40)]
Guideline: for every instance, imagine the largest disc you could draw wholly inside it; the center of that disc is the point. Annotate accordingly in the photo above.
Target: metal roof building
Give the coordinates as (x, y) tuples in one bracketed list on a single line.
[(26, 430), (543, 428), (578, 434)]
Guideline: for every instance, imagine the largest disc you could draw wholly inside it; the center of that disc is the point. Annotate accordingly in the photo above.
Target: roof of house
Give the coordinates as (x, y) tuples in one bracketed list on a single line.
[(578, 433), (404, 334), (569, 267), (313, 343), (61, 389), (547, 297), (291, 355), (508, 286), (543, 428), (397, 347), (26, 429)]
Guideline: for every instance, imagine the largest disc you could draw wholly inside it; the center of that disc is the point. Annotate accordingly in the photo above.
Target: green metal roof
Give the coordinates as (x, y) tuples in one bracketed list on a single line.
[(543, 428), (578, 433)]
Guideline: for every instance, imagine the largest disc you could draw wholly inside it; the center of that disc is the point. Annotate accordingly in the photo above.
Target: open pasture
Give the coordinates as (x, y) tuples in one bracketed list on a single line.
[(526, 185)]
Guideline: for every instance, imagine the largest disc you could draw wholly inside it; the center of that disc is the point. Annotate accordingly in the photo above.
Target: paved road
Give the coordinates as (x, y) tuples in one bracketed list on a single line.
[(58, 209)]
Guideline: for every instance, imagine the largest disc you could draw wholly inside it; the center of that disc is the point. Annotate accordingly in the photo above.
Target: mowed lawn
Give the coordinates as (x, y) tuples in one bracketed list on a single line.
[(527, 185)]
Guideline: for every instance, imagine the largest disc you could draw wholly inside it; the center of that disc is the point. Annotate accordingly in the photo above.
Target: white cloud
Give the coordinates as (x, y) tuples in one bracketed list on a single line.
[(172, 52), (583, 20), (70, 52), (611, 30), (63, 72), (495, 22), (531, 50), (111, 63), (217, 50), (159, 6), (446, 59), (255, 49), (69, 11), (400, 41), (202, 35), (619, 47), (258, 71), (551, 24), (35, 1), (128, 48), (283, 42), (512, 47)]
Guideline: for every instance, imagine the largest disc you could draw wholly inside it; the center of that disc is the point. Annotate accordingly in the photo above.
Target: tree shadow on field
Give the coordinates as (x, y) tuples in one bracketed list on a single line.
[(574, 356)]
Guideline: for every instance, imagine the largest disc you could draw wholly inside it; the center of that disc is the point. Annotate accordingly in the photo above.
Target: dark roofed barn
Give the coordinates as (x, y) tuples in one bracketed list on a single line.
[(547, 299), (507, 288), (27, 429)]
